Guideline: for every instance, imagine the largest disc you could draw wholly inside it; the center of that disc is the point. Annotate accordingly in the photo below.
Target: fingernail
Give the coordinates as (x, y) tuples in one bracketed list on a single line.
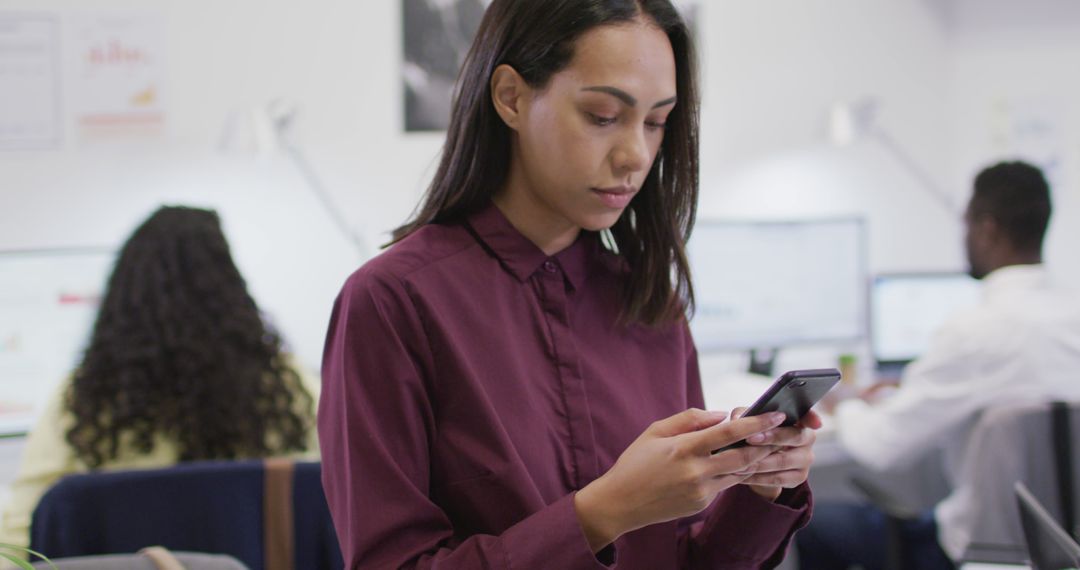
[(756, 438), (777, 417)]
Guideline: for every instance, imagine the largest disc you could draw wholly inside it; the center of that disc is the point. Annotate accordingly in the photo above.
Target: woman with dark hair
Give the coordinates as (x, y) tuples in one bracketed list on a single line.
[(180, 367), (513, 383)]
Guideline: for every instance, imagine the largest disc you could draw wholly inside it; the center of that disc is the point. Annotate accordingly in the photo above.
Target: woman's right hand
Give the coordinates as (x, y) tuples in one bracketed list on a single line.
[(670, 472)]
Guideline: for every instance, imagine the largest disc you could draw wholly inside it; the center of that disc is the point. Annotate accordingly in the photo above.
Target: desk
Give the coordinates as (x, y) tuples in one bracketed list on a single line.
[(11, 450), (726, 392), (920, 485)]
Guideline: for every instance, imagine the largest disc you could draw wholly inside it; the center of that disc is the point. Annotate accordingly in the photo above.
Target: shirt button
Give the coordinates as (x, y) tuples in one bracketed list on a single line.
[(550, 266)]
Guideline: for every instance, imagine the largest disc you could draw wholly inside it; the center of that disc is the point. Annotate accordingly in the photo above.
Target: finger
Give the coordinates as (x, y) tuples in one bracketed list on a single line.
[(738, 412), (788, 459), (719, 483), (691, 420), (785, 479), (738, 460), (811, 420), (720, 436), (785, 437)]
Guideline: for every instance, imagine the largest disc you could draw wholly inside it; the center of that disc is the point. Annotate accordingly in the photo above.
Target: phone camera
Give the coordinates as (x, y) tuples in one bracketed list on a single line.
[(798, 384)]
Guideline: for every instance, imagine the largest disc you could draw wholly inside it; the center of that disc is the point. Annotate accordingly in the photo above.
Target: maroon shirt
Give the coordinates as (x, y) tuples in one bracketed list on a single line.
[(472, 384)]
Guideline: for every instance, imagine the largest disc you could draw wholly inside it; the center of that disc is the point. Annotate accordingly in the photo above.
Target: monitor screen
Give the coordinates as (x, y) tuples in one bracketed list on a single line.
[(48, 302), (772, 284), (907, 309)]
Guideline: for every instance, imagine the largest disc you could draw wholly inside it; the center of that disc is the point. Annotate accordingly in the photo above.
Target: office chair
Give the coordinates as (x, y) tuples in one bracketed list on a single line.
[(1031, 443), (268, 514), (1049, 546), (154, 558)]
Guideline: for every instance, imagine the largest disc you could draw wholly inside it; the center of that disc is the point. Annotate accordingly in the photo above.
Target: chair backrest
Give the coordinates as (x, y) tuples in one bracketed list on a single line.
[(1049, 546), (189, 560), (1010, 444), (216, 507)]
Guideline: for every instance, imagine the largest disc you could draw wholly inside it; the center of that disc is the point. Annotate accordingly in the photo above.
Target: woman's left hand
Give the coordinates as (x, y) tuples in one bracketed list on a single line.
[(788, 466)]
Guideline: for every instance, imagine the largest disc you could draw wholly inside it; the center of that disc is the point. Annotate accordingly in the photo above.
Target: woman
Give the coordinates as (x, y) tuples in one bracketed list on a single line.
[(508, 386), (180, 367)]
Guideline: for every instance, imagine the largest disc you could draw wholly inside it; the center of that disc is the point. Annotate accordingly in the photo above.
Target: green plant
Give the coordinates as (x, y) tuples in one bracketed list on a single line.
[(19, 561)]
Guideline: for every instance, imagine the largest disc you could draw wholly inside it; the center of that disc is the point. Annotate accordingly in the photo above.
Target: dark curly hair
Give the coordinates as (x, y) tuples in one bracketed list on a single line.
[(179, 349)]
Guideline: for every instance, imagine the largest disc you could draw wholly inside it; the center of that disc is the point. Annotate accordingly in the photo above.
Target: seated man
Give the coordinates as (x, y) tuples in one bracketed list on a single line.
[(1020, 344)]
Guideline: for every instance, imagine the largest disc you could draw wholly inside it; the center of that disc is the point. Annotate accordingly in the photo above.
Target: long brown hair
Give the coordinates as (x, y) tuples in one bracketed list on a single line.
[(536, 38)]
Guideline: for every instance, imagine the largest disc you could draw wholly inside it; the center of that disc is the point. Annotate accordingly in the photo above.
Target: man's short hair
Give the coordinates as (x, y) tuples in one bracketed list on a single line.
[(1017, 197)]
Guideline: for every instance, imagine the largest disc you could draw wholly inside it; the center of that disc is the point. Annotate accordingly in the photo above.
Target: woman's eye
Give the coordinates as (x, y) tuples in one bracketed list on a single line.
[(656, 126), (600, 120)]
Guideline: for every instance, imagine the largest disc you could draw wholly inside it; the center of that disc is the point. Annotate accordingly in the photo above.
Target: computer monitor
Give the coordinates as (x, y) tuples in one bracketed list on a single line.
[(906, 309), (1049, 546), (48, 302), (770, 284)]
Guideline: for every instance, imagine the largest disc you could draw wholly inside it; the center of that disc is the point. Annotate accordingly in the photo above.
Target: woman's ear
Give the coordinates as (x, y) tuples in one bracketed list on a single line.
[(508, 92)]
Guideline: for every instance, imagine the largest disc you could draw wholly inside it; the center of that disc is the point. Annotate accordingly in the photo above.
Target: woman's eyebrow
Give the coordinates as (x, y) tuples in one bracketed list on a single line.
[(626, 97)]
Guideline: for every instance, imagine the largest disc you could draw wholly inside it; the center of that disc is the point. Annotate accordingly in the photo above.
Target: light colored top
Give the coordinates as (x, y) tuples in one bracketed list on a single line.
[(1020, 344), (47, 457)]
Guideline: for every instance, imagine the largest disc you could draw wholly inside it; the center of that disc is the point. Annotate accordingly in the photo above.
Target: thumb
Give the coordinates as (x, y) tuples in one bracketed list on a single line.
[(685, 422), (811, 420)]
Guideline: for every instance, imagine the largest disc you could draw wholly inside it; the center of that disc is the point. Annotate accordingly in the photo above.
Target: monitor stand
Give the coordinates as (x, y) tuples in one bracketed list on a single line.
[(762, 361)]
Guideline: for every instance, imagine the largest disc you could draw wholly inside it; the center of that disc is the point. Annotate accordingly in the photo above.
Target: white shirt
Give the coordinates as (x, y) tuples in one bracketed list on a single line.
[(1020, 344)]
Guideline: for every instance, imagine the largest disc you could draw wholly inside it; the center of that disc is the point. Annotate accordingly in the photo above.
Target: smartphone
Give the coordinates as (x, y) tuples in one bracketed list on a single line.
[(793, 393)]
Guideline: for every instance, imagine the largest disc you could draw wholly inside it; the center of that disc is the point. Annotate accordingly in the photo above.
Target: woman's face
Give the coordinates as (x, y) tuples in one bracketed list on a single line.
[(587, 140)]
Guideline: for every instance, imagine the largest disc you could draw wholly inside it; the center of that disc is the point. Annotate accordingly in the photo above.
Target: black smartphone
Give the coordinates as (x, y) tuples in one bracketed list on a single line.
[(793, 393)]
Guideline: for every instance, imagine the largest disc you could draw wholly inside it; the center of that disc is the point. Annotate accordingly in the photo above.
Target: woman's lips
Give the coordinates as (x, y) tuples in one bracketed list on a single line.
[(618, 197)]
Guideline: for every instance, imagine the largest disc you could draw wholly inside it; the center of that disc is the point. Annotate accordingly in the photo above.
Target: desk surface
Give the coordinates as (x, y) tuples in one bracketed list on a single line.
[(729, 391), (726, 391), (921, 485)]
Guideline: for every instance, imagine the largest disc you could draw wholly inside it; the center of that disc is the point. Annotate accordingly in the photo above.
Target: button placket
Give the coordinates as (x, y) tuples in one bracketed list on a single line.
[(566, 364)]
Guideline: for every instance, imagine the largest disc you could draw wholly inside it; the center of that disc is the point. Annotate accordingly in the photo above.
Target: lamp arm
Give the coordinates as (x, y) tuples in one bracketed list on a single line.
[(914, 169), (314, 183)]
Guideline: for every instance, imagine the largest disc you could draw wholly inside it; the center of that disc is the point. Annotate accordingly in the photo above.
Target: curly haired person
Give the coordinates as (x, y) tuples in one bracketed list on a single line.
[(180, 366)]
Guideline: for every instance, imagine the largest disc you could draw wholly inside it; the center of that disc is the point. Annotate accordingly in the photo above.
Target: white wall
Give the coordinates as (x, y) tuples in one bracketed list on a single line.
[(771, 70), (337, 62), (775, 68), (1014, 87)]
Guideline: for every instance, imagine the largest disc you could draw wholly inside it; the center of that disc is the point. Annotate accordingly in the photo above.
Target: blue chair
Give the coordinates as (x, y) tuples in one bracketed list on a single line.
[(153, 558), (268, 514)]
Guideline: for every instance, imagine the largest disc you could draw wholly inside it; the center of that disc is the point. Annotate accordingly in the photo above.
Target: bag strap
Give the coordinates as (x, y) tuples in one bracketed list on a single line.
[(278, 538), (162, 558), (1062, 436)]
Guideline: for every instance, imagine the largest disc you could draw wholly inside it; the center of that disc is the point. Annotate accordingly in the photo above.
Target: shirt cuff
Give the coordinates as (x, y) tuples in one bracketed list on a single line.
[(553, 538), (849, 409), (763, 527), (856, 433)]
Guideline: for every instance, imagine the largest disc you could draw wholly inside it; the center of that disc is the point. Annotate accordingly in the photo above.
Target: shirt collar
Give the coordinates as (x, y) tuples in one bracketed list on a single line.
[(1015, 277), (522, 257)]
